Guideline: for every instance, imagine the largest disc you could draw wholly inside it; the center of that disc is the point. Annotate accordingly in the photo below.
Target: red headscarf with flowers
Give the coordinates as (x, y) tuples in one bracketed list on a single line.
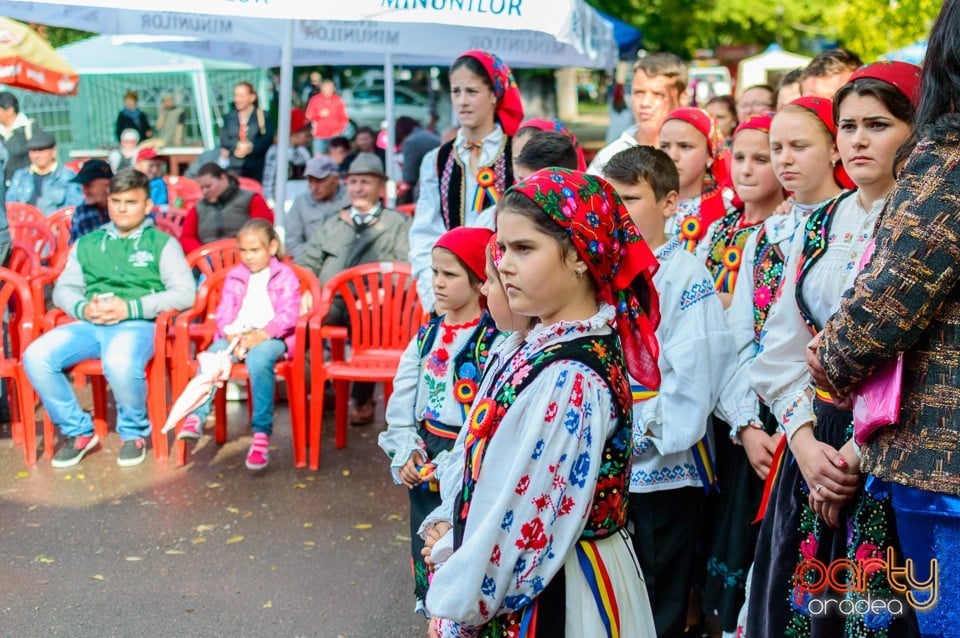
[(903, 76), (611, 246), (823, 109), (703, 122), (509, 111), (542, 124)]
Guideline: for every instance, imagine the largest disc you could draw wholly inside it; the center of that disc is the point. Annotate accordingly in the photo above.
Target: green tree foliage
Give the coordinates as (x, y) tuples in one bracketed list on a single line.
[(869, 27), (59, 36)]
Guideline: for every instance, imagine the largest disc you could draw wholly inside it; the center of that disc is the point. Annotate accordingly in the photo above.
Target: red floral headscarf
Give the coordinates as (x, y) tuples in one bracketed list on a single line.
[(703, 122), (509, 108), (756, 122), (903, 76), (823, 109), (542, 124), (610, 244)]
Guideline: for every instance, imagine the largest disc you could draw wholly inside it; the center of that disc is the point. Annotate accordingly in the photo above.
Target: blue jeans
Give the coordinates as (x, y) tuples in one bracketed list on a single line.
[(260, 361), (124, 349)]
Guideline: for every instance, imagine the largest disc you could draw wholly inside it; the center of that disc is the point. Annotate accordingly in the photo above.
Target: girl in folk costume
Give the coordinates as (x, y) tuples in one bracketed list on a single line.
[(437, 379), (536, 125), (692, 139), (757, 187), (461, 181), (816, 510), (732, 539), (538, 524)]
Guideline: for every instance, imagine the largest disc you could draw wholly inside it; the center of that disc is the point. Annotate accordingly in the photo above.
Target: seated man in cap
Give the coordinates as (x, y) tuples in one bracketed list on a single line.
[(324, 198), (361, 233), (148, 163), (94, 178), (298, 154), (45, 183)]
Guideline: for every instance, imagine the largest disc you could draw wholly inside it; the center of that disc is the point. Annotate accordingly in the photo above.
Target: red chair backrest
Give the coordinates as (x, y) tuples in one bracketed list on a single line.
[(76, 164), (23, 321), (182, 191), (171, 221), (23, 212), (60, 223), (23, 259), (251, 185), (38, 236), (222, 254), (382, 302), (407, 209)]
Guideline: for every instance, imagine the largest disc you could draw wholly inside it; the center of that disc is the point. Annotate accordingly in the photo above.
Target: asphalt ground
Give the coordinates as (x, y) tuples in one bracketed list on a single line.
[(209, 549)]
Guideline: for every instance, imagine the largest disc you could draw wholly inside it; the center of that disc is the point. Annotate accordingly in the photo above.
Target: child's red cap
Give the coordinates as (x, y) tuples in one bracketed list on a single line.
[(470, 246)]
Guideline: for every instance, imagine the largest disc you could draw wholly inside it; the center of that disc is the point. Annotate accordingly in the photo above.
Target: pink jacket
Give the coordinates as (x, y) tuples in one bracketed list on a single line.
[(284, 292)]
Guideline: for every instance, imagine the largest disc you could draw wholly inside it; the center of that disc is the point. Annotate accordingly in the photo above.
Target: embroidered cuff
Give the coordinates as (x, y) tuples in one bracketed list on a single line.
[(752, 422), (400, 459), (798, 413), (134, 309)]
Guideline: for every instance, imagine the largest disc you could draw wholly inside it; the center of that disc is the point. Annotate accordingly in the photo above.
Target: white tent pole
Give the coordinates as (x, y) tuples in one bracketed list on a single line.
[(388, 98), (283, 124), (201, 92)]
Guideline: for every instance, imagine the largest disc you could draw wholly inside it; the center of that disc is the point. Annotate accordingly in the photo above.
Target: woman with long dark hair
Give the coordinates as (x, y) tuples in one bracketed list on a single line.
[(907, 303)]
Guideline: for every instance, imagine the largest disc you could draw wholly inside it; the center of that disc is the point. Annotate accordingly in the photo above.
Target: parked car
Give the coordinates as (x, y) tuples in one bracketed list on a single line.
[(366, 106)]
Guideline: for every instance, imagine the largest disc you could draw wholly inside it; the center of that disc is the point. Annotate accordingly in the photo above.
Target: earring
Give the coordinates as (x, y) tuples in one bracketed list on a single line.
[(579, 273)]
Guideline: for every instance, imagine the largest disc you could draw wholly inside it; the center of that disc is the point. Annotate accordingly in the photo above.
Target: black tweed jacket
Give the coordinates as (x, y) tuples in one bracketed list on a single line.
[(908, 301)]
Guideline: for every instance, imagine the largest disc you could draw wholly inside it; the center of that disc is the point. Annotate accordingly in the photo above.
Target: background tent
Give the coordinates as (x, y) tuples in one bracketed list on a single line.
[(767, 67), (628, 37), (913, 53)]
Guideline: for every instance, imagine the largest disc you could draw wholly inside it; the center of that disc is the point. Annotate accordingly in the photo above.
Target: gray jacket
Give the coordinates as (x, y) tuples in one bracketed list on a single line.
[(338, 244), (307, 215)]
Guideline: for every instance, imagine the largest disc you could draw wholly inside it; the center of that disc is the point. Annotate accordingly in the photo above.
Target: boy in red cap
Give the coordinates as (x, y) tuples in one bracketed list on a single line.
[(149, 163), (437, 379)]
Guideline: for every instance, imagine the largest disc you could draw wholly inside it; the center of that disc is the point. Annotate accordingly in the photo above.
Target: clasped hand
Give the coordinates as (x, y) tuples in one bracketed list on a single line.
[(106, 312)]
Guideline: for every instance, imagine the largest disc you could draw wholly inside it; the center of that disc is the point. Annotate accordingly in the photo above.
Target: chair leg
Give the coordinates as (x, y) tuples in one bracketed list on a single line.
[(157, 412), (343, 407), (99, 385), (387, 391), (296, 400), (49, 436), (317, 382), (16, 419), (220, 414), (24, 402)]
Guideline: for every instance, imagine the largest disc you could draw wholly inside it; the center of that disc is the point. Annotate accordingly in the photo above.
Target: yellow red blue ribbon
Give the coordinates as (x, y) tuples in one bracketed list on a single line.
[(595, 571)]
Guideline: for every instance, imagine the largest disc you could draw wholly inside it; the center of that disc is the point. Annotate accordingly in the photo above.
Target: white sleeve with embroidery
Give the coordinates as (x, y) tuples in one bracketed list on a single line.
[(739, 404), (696, 356), (531, 500), (400, 440), (779, 371), (426, 228)]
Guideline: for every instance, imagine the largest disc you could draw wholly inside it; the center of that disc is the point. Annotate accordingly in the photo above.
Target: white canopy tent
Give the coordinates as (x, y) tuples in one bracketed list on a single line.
[(388, 27), (755, 70)]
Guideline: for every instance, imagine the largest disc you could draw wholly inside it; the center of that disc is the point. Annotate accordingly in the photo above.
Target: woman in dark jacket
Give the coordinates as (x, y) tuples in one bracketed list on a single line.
[(132, 117), (247, 133), (907, 302)]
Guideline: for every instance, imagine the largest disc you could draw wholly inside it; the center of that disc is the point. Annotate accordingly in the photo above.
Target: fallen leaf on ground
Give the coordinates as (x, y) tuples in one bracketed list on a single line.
[(98, 577), (204, 528), (80, 477), (268, 604), (67, 478), (22, 474), (401, 537), (134, 559), (309, 543), (233, 510), (43, 559), (308, 525), (346, 472), (199, 540), (31, 508), (235, 539), (395, 517), (300, 486), (213, 485), (174, 552), (363, 526)]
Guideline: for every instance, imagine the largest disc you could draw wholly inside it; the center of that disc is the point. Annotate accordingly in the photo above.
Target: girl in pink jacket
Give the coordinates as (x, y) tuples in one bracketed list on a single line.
[(259, 309)]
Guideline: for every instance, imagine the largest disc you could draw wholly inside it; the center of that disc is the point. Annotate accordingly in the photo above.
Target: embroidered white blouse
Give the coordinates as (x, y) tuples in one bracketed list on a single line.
[(428, 226), (536, 482), (696, 356), (423, 389), (779, 371), (738, 398)]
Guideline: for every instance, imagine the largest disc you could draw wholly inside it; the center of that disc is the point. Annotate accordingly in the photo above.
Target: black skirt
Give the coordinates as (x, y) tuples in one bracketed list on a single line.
[(781, 605)]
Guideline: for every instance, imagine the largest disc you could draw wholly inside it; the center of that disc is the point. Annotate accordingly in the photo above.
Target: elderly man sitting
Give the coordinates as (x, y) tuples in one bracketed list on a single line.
[(325, 197), (361, 233), (45, 183)]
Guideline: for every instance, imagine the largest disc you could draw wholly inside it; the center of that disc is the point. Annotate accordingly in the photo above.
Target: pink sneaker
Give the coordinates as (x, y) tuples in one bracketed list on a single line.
[(259, 455), (191, 428)]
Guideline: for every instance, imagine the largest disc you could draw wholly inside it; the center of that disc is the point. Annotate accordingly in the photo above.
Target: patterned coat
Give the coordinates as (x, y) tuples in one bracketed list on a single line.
[(908, 301)]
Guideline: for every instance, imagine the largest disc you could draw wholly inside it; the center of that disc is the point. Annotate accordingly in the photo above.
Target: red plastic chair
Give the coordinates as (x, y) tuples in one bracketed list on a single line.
[(183, 192), (24, 327), (91, 369), (23, 212), (60, 222), (252, 185), (26, 262), (407, 209), (171, 221), (76, 164), (293, 370), (222, 254), (385, 314), (42, 240)]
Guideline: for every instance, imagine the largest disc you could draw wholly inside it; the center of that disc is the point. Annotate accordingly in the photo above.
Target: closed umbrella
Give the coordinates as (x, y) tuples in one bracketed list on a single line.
[(214, 372), (29, 62)]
